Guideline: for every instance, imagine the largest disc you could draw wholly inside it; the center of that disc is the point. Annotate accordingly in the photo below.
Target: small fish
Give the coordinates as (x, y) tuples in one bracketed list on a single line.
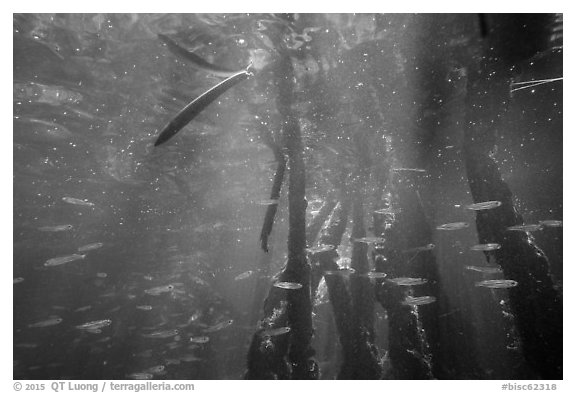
[(486, 247), (144, 307), (93, 331), (199, 281), (484, 269), (199, 339), (140, 376), (275, 332), (190, 358), (26, 345), (267, 202), (191, 110), (57, 228), (48, 322), (453, 226), (287, 285), (219, 326), (84, 308), (418, 170), (197, 314), (161, 334), (369, 240), (427, 247), (18, 280), (89, 247), (320, 248), (62, 260), (101, 275), (159, 290), (406, 281), (156, 369), (376, 275), (341, 272), (94, 324), (551, 223), (497, 283), (244, 275), (196, 60), (525, 228), (76, 201), (418, 301), (484, 205), (388, 210)]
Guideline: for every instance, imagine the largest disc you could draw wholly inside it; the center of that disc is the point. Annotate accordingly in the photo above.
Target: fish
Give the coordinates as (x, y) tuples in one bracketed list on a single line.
[(453, 226), (417, 170), (144, 307), (159, 290), (287, 285), (551, 223), (197, 105), (244, 275), (76, 201), (388, 210), (26, 345), (62, 260), (369, 240), (56, 228), (199, 339), (497, 283), (486, 247), (320, 248), (219, 326), (83, 308), (275, 332), (525, 228), (375, 275), (94, 324), (197, 314), (156, 369), (48, 322), (140, 376), (427, 247), (484, 269), (268, 202), (530, 84), (89, 247), (101, 275), (93, 331), (407, 281), (418, 301), (199, 281), (196, 60), (18, 280), (341, 272), (161, 334), (484, 205), (190, 358)]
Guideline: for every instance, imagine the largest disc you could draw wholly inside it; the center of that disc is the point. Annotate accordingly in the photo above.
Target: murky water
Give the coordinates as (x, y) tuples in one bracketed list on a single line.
[(130, 257)]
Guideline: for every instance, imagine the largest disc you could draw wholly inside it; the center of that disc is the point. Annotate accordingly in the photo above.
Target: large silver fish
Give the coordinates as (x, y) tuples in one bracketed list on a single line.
[(198, 105)]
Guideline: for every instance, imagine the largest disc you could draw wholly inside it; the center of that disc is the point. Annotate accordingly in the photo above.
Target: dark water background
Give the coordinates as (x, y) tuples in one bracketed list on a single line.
[(91, 93)]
